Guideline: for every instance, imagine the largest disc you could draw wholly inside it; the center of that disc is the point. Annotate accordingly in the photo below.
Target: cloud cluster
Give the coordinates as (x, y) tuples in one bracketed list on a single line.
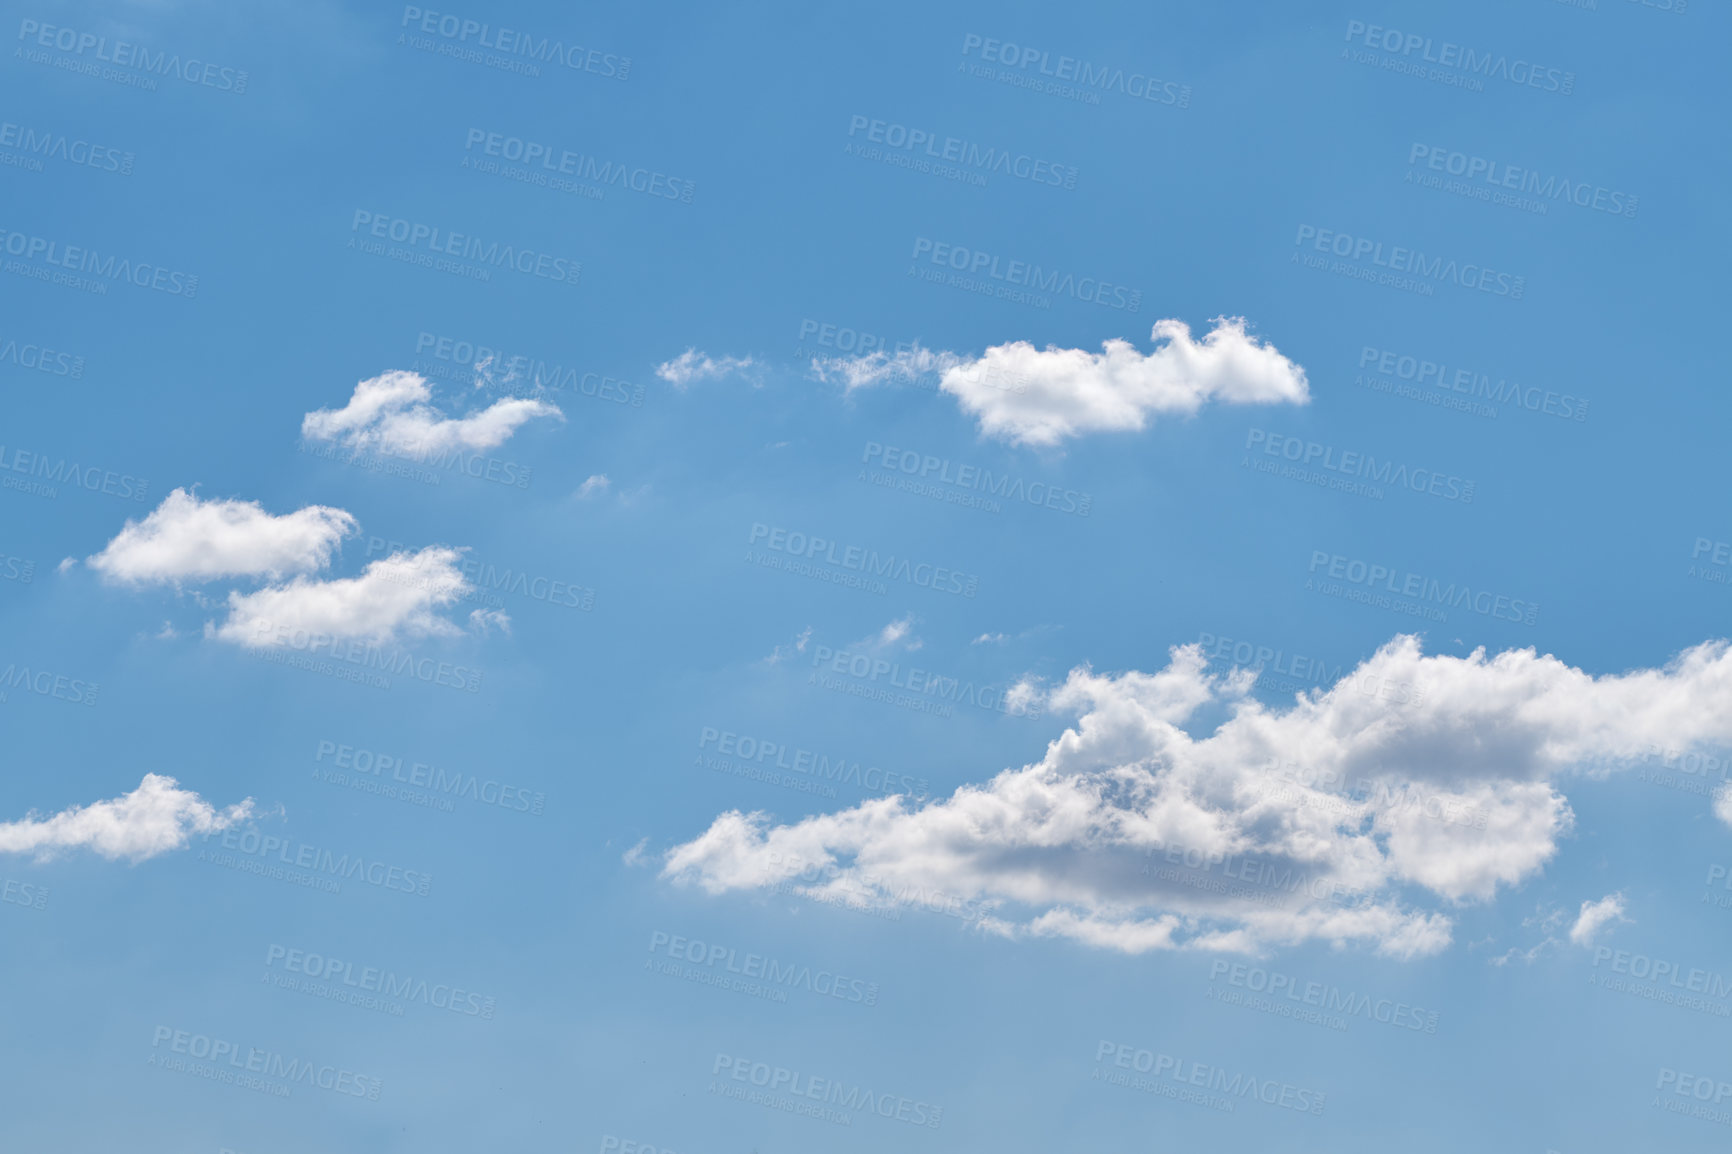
[(191, 540), (1350, 817), (1043, 397), (394, 414), (186, 539), (155, 818), (692, 366)]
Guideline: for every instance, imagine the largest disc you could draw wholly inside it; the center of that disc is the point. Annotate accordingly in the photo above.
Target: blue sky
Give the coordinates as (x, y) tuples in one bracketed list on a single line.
[(555, 488)]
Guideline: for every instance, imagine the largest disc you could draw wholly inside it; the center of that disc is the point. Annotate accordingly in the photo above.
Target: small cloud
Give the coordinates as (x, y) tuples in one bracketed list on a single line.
[(393, 414), (67, 564), (1595, 916), (692, 366), (990, 639), (155, 818), (638, 854), (782, 652), (596, 484), (189, 539), (484, 621), (168, 632)]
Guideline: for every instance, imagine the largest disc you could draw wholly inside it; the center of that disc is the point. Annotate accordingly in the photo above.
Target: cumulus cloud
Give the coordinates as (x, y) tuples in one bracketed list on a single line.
[(395, 597), (1595, 916), (153, 819), (1348, 817), (1042, 397), (393, 414), (692, 366), (593, 484), (186, 539)]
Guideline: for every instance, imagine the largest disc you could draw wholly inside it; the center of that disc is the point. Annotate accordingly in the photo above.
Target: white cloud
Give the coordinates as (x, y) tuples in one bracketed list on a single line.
[(393, 414), (395, 597), (597, 483), (186, 539), (1030, 396), (783, 653), (1351, 814), (155, 818), (692, 366), (1595, 916)]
